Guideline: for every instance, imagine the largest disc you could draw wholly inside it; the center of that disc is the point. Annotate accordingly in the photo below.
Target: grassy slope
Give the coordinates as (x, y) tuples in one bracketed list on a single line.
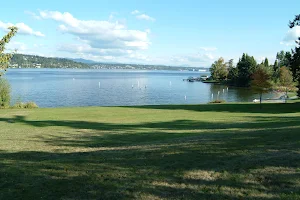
[(228, 151)]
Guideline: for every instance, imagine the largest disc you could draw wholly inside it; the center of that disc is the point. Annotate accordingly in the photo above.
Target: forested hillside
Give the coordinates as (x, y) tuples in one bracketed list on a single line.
[(31, 61)]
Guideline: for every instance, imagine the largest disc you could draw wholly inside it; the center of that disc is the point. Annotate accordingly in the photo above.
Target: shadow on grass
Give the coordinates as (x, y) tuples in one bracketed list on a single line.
[(236, 108), (182, 159)]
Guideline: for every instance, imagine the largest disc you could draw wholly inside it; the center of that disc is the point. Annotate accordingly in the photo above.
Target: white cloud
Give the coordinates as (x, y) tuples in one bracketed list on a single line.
[(193, 59), (135, 12), (145, 17), (208, 48), (100, 34), (291, 36), (19, 46), (22, 29), (87, 49), (32, 14)]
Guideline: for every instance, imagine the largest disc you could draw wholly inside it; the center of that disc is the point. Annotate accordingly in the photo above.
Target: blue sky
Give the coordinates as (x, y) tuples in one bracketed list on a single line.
[(179, 33)]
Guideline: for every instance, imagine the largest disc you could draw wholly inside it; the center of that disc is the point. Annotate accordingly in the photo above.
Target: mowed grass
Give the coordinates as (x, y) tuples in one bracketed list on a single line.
[(226, 151)]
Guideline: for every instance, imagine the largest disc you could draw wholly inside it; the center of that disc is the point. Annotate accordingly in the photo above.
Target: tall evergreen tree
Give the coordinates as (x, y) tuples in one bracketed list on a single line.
[(266, 62), (246, 67), (295, 56)]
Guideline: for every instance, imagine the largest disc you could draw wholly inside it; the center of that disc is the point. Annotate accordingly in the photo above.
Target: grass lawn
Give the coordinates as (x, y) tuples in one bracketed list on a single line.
[(225, 151)]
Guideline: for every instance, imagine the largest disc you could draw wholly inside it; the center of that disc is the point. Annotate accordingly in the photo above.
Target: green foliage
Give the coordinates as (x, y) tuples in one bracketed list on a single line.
[(219, 70), (232, 71), (5, 57), (29, 105), (295, 56), (283, 58), (266, 62), (286, 77), (4, 93), (246, 66), (18, 105), (261, 80)]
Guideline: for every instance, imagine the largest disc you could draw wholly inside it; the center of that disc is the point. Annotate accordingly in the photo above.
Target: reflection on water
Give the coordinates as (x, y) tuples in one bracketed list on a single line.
[(60, 87), (235, 94)]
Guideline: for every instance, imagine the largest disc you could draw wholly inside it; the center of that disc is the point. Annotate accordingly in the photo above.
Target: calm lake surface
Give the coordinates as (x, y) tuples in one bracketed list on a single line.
[(71, 87)]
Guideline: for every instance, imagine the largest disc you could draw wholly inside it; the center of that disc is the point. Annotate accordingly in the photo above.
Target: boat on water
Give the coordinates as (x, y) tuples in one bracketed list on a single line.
[(204, 77), (193, 79)]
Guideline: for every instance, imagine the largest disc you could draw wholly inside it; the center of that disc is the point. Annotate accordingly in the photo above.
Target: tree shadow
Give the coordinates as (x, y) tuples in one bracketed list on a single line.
[(180, 159), (273, 108)]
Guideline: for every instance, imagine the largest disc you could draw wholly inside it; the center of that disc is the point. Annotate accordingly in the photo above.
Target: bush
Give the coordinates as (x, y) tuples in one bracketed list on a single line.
[(28, 105), (218, 101), (18, 105), (4, 93)]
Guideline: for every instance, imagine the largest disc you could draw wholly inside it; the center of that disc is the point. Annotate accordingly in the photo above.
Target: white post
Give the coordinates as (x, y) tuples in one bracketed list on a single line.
[(218, 95)]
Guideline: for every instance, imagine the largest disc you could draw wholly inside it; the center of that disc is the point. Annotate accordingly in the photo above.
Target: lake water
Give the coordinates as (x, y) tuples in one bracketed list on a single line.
[(66, 87)]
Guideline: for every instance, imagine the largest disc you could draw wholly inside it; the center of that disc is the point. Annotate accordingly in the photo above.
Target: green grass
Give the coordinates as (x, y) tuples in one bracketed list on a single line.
[(222, 151)]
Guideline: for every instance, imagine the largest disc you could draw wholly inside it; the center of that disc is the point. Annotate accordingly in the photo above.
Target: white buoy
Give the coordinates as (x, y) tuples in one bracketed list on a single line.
[(170, 83), (212, 96), (99, 84), (184, 97)]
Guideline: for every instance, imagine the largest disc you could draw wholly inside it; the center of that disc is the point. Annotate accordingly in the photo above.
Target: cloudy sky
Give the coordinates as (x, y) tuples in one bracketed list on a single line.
[(178, 33)]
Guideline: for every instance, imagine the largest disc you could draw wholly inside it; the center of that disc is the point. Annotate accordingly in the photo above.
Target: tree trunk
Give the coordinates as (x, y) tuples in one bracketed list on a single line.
[(260, 99), (286, 91)]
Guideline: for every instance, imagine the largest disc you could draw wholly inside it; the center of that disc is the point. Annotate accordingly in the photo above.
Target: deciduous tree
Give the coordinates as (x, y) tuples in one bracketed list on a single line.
[(261, 81), (219, 70), (5, 57), (286, 78)]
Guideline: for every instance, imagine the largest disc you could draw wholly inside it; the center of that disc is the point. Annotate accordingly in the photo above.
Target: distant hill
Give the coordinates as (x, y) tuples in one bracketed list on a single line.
[(32, 61), (90, 62), (81, 60)]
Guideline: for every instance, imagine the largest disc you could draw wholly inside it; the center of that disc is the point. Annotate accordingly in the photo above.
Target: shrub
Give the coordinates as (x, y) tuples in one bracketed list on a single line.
[(30, 105), (18, 105), (4, 93), (218, 101)]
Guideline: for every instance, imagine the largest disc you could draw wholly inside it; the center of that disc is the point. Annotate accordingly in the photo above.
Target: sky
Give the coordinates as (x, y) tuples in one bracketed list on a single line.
[(178, 33)]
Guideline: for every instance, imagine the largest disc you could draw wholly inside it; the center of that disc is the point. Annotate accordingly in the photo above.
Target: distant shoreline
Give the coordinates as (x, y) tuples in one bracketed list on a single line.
[(120, 69)]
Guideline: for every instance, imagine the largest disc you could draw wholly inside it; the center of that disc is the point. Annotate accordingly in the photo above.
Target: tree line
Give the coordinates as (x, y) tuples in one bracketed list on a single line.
[(33, 61), (285, 72)]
